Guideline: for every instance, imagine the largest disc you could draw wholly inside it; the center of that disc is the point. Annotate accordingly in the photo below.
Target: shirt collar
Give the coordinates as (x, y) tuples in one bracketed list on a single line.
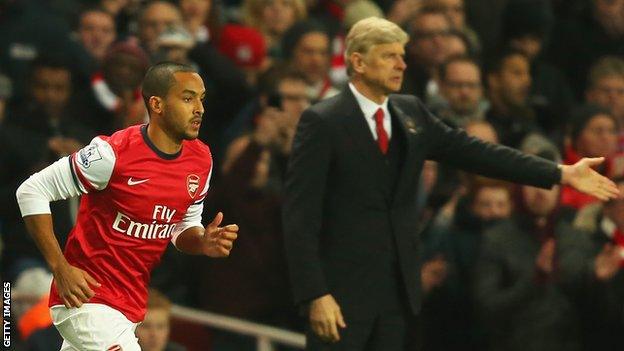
[(368, 106)]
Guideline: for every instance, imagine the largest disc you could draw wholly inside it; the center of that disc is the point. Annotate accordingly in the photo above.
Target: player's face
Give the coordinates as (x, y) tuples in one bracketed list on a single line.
[(384, 66), (153, 333), (183, 108)]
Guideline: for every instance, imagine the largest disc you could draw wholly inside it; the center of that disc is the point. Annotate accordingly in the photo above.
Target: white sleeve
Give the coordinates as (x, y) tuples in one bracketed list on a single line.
[(193, 214), (60, 181)]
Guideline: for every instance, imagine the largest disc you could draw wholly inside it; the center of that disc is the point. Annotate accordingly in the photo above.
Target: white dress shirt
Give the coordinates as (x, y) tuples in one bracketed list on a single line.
[(369, 107)]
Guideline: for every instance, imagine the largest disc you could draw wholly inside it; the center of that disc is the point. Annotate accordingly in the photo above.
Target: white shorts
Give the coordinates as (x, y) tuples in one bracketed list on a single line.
[(94, 327)]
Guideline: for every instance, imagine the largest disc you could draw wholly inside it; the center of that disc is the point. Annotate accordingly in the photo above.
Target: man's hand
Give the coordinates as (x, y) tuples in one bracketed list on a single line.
[(73, 285), (546, 256), (607, 263), (325, 317), (583, 178), (218, 241)]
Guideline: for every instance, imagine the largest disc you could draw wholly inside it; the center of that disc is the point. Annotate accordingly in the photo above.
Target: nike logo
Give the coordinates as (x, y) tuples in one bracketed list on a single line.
[(135, 182)]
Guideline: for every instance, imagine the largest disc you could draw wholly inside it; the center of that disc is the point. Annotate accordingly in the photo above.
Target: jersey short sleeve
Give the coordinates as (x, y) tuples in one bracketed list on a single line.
[(93, 165)]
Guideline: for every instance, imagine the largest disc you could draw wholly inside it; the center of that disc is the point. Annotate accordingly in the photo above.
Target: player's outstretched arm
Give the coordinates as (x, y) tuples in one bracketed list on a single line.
[(213, 241), (72, 283)]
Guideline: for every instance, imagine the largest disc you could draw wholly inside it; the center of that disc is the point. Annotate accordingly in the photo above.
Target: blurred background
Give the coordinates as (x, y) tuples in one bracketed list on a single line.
[(506, 267)]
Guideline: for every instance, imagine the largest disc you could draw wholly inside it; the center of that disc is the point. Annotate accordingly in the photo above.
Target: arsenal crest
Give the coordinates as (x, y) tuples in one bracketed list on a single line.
[(192, 184)]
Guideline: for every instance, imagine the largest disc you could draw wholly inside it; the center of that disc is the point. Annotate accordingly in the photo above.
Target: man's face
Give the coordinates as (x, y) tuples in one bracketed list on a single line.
[(278, 16), (610, 14), (530, 45), (429, 44), (157, 17), (51, 89), (598, 138), (383, 67), (608, 92), (540, 202), (311, 56), (454, 10), (97, 32), (462, 87), (183, 108), (492, 203), (153, 333), (124, 73), (513, 82), (294, 97), (195, 9)]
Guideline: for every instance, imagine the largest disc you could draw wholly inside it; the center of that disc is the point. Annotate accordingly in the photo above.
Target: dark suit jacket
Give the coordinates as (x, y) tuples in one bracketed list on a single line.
[(338, 213)]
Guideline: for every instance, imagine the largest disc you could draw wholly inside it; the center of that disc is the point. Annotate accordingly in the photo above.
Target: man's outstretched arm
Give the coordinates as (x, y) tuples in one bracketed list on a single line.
[(496, 161)]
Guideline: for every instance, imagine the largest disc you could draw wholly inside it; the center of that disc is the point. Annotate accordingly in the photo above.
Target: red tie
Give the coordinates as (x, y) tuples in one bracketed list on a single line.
[(382, 136)]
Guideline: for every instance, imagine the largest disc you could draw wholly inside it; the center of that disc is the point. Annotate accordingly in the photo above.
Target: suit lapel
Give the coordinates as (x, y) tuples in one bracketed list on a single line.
[(355, 125)]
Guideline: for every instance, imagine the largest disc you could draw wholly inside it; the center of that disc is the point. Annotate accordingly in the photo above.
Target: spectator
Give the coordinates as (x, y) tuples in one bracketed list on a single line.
[(526, 25), (283, 97), (174, 44), (36, 134), (426, 50), (450, 317), (508, 84), (251, 190), (115, 98), (606, 88), (96, 32), (198, 17), (455, 11), (154, 18), (246, 48), (153, 332), (306, 49), (523, 275), (593, 133), (462, 91), (577, 42), (604, 300), (6, 90), (273, 19)]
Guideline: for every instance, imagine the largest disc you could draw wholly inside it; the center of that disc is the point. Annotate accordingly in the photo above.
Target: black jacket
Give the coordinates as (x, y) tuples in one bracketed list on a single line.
[(341, 223)]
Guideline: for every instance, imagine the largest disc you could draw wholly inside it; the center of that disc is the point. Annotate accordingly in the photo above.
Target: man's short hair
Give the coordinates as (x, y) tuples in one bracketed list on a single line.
[(91, 9), (160, 78), (443, 69), (49, 61), (369, 32), (496, 62), (293, 36), (606, 67), (269, 81), (426, 10)]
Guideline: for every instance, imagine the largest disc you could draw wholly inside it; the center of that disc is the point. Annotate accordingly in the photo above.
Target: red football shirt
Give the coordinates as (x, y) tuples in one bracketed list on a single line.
[(136, 200)]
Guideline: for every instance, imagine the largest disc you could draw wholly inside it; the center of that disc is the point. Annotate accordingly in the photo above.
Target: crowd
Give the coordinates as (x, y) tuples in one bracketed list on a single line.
[(504, 267)]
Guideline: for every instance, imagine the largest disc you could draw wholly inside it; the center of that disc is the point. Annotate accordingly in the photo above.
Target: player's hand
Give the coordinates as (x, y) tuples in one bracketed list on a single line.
[(583, 178), (218, 241), (74, 285), (325, 318)]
